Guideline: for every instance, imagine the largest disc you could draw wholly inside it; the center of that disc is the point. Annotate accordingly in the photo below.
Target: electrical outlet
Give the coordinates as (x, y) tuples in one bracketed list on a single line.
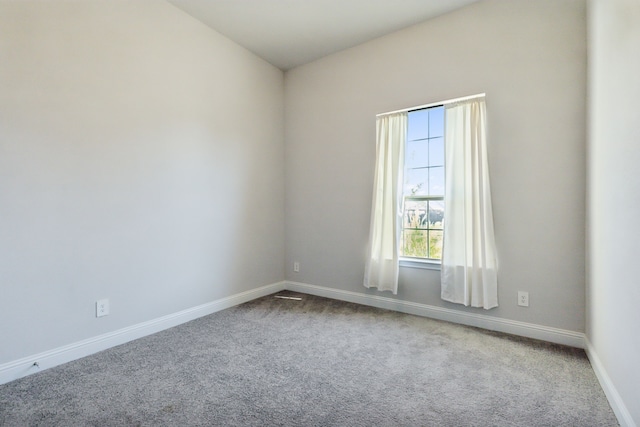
[(523, 299), (296, 267), (102, 307)]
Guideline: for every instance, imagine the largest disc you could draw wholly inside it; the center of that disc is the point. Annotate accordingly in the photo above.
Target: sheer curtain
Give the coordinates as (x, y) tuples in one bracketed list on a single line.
[(386, 211), (469, 261)]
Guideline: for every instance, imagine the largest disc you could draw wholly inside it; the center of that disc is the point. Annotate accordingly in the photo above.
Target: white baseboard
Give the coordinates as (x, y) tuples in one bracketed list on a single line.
[(616, 402), (19, 368), (529, 330)]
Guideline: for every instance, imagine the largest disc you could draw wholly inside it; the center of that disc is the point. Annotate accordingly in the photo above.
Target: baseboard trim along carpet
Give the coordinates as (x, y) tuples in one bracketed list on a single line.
[(304, 360), (529, 330), (616, 402), (48, 359), (29, 365)]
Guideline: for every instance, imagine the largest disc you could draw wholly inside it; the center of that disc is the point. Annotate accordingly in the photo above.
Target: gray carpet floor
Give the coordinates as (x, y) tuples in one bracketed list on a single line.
[(315, 362)]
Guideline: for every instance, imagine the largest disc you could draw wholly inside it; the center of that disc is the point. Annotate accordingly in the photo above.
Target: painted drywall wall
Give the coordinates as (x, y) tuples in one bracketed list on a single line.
[(613, 293), (141, 160), (530, 60)]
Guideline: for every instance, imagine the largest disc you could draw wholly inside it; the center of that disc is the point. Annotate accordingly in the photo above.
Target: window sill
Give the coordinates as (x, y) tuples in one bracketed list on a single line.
[(423, 264)]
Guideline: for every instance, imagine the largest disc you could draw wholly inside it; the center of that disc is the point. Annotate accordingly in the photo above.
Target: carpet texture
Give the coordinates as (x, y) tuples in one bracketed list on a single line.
[(315, 362)]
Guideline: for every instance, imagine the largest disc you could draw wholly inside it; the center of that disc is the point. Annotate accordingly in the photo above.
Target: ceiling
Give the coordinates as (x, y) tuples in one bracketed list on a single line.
[(288, 33)]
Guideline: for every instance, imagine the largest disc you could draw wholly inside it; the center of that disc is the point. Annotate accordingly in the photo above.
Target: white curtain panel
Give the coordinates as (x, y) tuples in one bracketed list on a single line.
[(382, 264), (469, 261)]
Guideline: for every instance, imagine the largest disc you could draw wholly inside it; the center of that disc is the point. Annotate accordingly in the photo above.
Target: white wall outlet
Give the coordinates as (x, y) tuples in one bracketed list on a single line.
[(296, 267), (102, 307), (523, 299)]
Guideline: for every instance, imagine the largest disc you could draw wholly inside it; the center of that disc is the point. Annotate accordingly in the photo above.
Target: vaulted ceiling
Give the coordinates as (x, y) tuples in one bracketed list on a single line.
[(289, 33)]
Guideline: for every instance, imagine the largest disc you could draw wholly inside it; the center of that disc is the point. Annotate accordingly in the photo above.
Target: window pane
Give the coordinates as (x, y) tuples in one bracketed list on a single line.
[(415, 181), (424, 176), (415, 214), (436, 181), (417, 154), (436, 122), (414, 243), (435, 244), (436, 214), (418, 125), (436, 152)]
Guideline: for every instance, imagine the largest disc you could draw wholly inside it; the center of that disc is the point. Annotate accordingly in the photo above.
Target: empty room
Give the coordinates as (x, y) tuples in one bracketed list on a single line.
[(319, 212)]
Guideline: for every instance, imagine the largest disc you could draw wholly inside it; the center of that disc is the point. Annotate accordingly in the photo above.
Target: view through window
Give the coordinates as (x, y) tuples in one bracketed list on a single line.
[(424, 184)]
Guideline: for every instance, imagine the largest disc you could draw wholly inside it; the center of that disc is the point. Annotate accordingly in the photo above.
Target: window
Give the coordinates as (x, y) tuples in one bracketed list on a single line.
[(423, 188), (410, 175)]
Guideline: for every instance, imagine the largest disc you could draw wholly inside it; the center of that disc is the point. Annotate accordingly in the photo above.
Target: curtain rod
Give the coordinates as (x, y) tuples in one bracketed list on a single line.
[(434, 104)]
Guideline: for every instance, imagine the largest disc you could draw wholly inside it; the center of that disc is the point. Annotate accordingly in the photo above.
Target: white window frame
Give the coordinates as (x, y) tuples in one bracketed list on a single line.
[(419, 262)]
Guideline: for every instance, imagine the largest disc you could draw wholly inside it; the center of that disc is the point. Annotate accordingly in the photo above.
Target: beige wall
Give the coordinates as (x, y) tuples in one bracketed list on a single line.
[(141, 160), (613, 288), (530, 59)]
